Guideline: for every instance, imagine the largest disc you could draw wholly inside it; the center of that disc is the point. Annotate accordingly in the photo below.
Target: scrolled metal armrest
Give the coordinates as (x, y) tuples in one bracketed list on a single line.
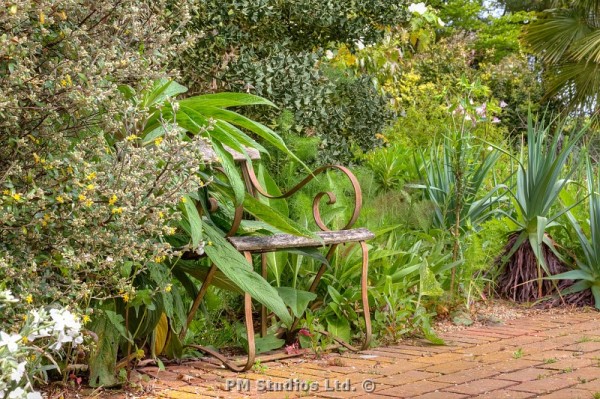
[(252, 180)]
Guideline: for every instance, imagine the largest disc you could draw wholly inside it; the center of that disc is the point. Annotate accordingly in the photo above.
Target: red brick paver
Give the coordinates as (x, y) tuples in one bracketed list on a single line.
[(546, 355)]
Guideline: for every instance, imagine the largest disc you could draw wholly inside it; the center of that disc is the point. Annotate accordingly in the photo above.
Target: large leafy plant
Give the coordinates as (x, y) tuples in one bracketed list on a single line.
[(587, 273), (206, 122), (541, 176)]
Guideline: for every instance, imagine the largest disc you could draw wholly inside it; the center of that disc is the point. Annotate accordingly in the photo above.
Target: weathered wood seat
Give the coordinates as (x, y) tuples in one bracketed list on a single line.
[(262, 245), (258, 244)]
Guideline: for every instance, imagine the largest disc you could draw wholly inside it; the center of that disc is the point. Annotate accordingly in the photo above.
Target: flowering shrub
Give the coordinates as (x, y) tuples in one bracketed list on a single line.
[(77, 190), (31, 351)]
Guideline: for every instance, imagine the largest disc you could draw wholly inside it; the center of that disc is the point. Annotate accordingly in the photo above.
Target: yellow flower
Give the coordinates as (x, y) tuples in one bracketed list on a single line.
[(210, 243), (88, 202), (29, 299), (42, 18), (161, 214), (82, 197), (36, 158), (168, 287), (117, 210), (6, 192), (32, 358), (158, 141), (112, 200), (24, 340), (131, 137), (60, 199), (91, 176), (183, 200), (16, 196), (85, 319), (171, 231), (90, 187), (159, 259), (125, 297)]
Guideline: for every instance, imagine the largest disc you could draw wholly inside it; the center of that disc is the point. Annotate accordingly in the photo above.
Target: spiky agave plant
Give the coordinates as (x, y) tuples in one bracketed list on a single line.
[(529, 254), (586, 288)]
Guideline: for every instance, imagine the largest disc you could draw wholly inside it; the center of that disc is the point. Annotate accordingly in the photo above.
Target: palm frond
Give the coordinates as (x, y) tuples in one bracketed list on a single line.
[(551, 37)]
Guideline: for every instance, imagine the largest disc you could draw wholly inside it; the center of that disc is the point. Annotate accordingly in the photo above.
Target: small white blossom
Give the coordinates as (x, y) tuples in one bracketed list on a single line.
[(10, 341), (7, 296), (418, 8), (34, 395), (18, 393), (17, 374)]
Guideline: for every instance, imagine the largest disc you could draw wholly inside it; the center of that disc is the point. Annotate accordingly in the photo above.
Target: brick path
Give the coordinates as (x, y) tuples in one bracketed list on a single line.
[(551, 356)]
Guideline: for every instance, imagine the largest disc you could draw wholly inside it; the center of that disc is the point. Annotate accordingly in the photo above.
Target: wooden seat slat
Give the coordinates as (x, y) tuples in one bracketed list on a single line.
[(276, 242)]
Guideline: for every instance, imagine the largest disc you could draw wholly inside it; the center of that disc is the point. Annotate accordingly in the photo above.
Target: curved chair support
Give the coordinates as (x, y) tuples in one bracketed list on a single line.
[(255, 187)]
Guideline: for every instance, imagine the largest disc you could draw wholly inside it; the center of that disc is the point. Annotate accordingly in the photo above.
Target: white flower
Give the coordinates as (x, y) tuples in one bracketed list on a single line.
[(418, 8), (495, 120), (7, 296), (17, 374), (329, 54), (360, 45), (10, 341), (490, 148), (503, 104), (34, 395), (440, 22), (63, 320), (18, 393)]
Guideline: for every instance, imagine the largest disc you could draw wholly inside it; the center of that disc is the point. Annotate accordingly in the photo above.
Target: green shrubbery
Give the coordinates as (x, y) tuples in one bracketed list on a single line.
[(103, 187)]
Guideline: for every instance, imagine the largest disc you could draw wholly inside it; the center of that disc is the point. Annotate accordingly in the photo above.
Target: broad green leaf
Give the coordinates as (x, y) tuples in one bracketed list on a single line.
[(224, 100), (572, 275), (226, 159), (174, 348), (236, 268), (268, 343), (118, 322), (297, 300), (276, 219), (162, 89), (428, 285), (193, 218), (339, 327), (103, 358)]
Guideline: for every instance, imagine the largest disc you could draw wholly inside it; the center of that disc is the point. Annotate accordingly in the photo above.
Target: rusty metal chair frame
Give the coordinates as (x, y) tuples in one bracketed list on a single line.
[(255, 189)]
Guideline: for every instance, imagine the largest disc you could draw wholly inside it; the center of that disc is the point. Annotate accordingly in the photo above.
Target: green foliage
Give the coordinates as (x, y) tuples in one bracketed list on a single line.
[(587, 273), (275, 49), (391, 166), (540, 179), (566, 39)]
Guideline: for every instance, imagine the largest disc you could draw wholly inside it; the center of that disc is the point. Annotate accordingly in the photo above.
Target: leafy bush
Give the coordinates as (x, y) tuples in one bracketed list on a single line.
[(76, 192), (276, 49)]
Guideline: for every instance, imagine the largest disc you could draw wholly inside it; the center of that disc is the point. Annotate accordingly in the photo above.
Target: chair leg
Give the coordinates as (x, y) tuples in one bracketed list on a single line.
[(251, 342), (364, 286), (198, 299), (249, 324), (263, 308)]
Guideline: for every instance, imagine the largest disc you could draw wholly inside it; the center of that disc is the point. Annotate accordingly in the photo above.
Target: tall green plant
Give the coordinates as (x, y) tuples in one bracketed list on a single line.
[(541, 176), (206, 122), (587, 272), (454, 176)]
